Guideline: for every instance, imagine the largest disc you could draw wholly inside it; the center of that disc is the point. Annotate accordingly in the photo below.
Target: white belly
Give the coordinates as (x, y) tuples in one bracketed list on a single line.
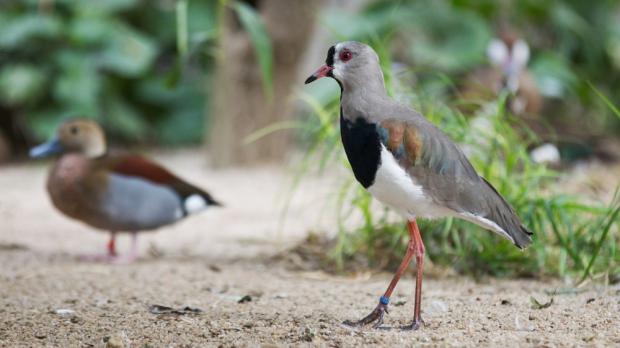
[(394, 187)]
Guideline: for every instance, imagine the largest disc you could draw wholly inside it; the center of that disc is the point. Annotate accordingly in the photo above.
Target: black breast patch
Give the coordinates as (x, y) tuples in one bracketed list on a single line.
[(363, 148)]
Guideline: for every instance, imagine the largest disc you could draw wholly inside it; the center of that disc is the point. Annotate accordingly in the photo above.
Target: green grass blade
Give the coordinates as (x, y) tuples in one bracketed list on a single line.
[(253, 24), (611, 219), (608, 102), (274, 127), (554, 227), (182, 35)]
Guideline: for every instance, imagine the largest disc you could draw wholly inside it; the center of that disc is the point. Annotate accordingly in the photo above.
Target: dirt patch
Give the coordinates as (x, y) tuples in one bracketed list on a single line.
[(215, 272), (52, 300)]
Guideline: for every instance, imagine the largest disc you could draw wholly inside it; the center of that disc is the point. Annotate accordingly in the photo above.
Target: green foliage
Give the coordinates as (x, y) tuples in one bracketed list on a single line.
[(112, 60), (253, 24), (573, 43)]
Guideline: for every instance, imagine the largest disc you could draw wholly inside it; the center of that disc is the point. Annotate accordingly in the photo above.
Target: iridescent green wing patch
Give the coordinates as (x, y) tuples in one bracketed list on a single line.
[(402, 140)]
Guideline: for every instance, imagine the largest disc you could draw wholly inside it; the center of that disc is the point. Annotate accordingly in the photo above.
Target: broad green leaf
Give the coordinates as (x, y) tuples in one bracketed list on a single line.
[(448, 40), (104, 7), (255, 27), (182, 126), (43, 123), (20, 84), (123, 119), (129, 53), (23, 28), (78, 85), (90, 30), (553, 74), (202, 16)]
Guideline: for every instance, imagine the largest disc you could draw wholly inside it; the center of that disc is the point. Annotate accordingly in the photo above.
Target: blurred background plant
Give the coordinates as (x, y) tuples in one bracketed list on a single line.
[(115, 61), (178, 72), (145, 69)]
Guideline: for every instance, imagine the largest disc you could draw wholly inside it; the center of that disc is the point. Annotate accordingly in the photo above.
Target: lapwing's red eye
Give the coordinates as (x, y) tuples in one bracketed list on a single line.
[(345, 56)]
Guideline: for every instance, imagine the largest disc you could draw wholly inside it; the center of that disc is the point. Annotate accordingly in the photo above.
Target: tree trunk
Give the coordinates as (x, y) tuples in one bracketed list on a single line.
[(239, 105)]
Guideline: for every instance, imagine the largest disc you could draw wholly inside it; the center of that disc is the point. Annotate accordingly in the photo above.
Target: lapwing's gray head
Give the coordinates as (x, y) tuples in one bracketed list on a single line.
[(353, 64)]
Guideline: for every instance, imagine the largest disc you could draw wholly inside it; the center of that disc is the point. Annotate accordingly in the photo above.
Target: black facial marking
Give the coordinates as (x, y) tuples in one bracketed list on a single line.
[(363, 148), (330, 74), (74, 130), (330, 56)]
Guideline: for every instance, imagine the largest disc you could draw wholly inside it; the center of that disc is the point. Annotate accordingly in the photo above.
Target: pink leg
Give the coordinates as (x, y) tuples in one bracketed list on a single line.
[(108, 256), (112, 256), (112, 244), (419, 258), (133, 252), (377, 314)]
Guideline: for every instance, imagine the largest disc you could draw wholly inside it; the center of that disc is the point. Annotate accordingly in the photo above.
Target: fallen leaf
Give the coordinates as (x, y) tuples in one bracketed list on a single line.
[(538, 305), (12, 246), (159, 309), (244, 299)]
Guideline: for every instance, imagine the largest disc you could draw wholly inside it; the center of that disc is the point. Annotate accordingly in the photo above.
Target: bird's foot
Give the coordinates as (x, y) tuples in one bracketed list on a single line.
[(416, 324), (375, 316), (114, 259)]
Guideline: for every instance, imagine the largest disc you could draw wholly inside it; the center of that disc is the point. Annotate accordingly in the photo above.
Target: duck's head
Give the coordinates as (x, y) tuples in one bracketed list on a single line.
[(80, 136)]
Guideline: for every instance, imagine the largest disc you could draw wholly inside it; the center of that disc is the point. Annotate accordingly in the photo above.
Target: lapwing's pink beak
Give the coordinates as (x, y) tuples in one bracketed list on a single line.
[(320, 72)]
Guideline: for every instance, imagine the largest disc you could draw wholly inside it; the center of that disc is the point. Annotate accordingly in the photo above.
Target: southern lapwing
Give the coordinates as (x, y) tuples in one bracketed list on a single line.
[(115, 192), (407, 163)]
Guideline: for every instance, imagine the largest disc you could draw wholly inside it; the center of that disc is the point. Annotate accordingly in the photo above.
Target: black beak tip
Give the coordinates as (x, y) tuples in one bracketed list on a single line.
[(310, 79)]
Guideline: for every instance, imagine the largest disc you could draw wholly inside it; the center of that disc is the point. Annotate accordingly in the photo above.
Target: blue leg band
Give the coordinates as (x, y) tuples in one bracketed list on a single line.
[(384, 300)]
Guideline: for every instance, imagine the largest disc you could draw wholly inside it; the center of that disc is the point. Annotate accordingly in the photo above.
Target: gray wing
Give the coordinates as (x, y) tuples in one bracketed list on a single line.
[(134, 204), (447, 176)]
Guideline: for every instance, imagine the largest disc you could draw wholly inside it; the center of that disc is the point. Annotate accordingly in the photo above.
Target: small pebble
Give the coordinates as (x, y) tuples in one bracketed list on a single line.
[(437, 306), (64, 312), (115, 342)]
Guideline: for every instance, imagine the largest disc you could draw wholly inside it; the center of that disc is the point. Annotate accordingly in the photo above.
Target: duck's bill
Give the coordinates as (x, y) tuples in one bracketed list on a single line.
[(52, 147), (323, 71)]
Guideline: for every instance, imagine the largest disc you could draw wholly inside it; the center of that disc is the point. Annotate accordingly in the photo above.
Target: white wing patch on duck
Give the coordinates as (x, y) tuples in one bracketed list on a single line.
[(194, 204)]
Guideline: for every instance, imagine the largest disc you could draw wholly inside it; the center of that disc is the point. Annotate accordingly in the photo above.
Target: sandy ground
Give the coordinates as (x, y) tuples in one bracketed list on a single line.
[(211, 261)]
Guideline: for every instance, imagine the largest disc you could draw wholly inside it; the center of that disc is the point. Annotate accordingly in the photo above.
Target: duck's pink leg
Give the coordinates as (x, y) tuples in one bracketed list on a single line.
[(112, 244), (109, 256), (133, 252), (112, 256)]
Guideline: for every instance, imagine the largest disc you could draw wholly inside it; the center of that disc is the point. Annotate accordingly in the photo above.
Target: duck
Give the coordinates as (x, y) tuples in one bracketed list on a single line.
[(407, 163), (114, 191)]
